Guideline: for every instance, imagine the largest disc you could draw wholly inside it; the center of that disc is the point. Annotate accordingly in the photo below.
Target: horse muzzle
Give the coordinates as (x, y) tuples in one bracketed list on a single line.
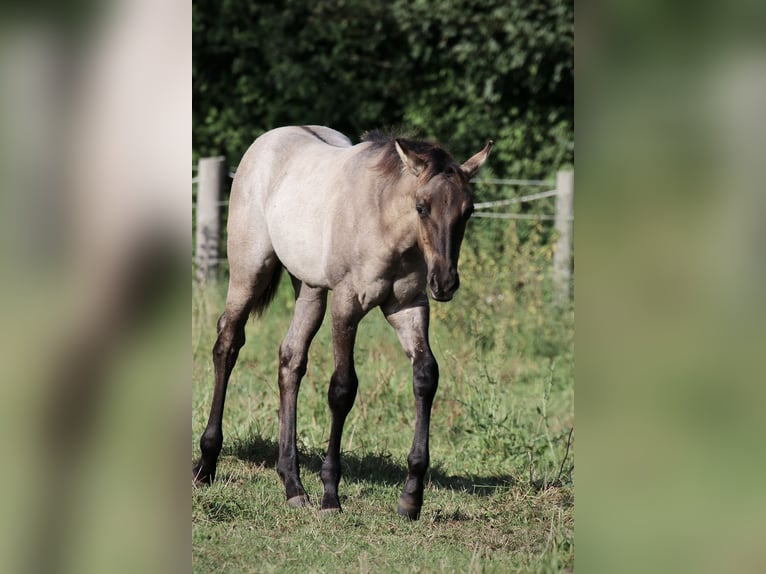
[(442, 286)]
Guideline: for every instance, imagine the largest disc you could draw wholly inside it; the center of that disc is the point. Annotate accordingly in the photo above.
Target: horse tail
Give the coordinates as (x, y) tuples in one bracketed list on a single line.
[(267, 295)]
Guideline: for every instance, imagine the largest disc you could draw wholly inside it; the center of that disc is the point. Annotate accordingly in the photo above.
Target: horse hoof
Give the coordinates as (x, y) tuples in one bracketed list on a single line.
[(330, 511), (200, 476), (408, 511), (300, 501)]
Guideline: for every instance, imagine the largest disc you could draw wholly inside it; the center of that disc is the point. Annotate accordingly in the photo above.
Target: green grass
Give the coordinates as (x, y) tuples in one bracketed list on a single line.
[(499, 497)]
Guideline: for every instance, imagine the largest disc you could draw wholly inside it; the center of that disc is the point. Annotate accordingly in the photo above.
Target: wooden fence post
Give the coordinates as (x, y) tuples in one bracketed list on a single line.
[(562, 255), (211, 173)]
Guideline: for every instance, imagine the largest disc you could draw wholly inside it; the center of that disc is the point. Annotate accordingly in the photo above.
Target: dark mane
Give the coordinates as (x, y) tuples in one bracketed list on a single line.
[(389, 164)]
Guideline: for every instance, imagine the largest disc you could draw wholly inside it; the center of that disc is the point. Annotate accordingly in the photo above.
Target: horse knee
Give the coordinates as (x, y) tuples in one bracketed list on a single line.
[(425, 376), (292, 360), (342, 392)]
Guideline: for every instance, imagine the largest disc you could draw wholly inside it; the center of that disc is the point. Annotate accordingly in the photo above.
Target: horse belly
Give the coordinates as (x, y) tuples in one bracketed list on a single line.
[(298, 237)]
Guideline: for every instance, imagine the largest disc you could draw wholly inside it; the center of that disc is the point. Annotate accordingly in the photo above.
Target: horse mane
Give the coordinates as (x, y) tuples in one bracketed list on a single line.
[(389, 164)]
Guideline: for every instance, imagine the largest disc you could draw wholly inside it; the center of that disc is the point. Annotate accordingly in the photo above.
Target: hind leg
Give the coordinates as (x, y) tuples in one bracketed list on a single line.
[(245, 293), (310, 305)]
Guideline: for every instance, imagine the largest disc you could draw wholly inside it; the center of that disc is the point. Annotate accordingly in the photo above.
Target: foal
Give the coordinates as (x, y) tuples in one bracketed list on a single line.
[(380, 224)]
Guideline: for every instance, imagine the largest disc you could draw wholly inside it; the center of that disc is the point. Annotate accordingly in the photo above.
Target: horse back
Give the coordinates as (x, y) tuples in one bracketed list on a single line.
[(291, 188)]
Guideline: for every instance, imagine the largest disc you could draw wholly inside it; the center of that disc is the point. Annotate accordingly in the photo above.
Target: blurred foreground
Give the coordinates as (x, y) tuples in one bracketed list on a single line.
[(671, 132), (94, 156)]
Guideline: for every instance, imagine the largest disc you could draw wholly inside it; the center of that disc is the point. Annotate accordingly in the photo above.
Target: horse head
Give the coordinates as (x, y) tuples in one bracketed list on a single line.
[(443, 205)]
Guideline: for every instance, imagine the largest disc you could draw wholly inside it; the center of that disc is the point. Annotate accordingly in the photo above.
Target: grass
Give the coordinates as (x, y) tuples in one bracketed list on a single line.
[(499, 497)]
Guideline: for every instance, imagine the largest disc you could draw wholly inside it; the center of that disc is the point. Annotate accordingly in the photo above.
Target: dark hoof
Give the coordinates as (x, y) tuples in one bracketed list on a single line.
[(301, 501), (202, 476), (408, 510), (330, 504)]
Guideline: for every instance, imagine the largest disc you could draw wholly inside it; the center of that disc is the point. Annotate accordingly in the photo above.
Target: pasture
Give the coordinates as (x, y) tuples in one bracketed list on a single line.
[(499, 494)]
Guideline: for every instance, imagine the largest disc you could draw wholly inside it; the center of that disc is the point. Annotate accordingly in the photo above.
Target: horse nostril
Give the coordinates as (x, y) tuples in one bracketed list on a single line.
[(451, 283), (443, 284)]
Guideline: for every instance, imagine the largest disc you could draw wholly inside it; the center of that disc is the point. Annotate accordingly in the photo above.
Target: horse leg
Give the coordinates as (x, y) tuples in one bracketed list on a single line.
[(346, 315), (310, 305), (241, 297), (411, 325)]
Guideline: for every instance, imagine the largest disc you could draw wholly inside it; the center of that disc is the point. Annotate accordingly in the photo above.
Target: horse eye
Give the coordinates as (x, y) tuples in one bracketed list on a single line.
[(421, 210)]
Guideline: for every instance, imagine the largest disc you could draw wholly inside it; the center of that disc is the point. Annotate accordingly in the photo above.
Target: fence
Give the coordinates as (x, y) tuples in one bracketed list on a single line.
[(212, 174)]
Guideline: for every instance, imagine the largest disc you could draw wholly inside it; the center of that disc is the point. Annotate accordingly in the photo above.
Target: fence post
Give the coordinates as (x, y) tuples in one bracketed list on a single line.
[(562, 255), (211, 173)]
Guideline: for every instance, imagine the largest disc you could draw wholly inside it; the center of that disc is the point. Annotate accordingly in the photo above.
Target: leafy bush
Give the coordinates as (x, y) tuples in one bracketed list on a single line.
[(460, 72)]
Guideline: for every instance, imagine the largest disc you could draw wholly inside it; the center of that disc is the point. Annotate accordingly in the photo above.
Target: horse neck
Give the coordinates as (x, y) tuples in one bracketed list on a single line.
[(397, 210)]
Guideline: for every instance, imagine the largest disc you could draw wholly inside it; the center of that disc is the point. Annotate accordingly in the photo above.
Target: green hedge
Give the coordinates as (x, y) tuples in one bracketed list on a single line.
[(460, 72)]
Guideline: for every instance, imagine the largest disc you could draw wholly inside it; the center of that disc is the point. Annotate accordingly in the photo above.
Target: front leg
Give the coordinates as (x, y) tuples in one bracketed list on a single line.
[(411, 325), (346, 314)]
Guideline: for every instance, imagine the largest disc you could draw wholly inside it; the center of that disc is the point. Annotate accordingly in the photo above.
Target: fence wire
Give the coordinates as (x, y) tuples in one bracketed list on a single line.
[(522, 199), (533, 216)]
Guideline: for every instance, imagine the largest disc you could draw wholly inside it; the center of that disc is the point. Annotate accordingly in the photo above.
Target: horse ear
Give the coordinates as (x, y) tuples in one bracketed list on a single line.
[(409, 158), (471, 166)]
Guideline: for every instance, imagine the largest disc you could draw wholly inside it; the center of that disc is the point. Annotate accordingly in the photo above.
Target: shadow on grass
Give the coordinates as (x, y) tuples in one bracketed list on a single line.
[(377, 468)]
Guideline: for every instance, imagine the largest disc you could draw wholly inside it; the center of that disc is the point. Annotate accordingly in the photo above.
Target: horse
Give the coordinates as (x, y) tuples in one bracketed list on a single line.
[(380, 224)]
